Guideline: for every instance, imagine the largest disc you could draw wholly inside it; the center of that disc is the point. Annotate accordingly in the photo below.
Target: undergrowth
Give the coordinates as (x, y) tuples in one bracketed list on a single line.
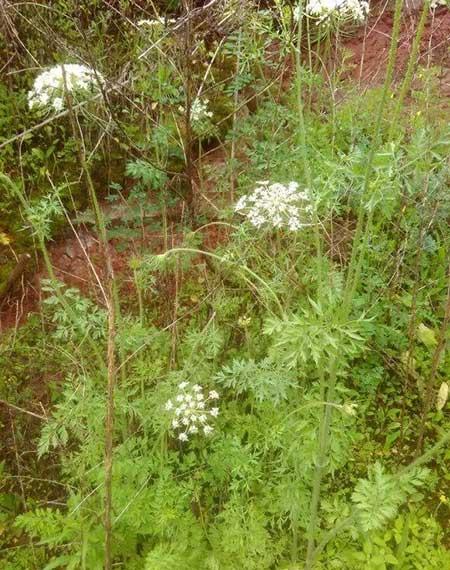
[(225, 388)]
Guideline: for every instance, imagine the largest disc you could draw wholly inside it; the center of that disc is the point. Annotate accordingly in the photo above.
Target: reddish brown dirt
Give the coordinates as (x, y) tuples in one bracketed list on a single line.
[(369, 48), (16, 308), (78, 262)]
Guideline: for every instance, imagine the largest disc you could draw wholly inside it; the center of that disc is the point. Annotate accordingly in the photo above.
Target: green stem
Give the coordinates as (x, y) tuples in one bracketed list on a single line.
[(350, 287), (358, 265), (302, 140), (321, 460), (413, 58), (224, 260), (113, 307), (139, 296)]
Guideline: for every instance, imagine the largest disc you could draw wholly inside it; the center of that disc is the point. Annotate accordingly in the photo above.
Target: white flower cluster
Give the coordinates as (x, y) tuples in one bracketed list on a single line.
[(159, 21), (346, 9), (192, 411), (437, 4), (48, 87), (277, 206), (199, 110)]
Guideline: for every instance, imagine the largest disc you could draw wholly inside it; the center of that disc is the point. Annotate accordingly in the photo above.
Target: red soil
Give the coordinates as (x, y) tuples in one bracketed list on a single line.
[(78, 262), (370, 47)]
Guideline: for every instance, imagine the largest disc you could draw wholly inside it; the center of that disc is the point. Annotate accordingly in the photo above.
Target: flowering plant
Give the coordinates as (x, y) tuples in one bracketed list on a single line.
[(277, 206), (49, 86), (200, 116), (159, 21), (199, 110), (343, 9), (191, 411)]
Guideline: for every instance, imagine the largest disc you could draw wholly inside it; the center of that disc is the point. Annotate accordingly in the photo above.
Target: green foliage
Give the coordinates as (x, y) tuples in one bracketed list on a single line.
[(315, 334), (317, 374), (86, 318), (146, 174), (413, 541), (379, 497), (265, 380)]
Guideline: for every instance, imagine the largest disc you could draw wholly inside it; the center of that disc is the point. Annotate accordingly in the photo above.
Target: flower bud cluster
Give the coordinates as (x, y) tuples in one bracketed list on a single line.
[(49, 86), (277, 206), (192, 411)]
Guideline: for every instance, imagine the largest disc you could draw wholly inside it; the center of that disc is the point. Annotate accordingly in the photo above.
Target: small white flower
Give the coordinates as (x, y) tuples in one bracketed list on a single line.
[(342, 9), (191, 415), (294, 224), (159, 21), (50, 86), (276, 205), (199, 110), (207, 429), (58, 104), (241, 204)]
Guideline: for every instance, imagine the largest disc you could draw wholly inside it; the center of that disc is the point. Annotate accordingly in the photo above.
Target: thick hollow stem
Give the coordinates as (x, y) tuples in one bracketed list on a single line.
[(354, 271)]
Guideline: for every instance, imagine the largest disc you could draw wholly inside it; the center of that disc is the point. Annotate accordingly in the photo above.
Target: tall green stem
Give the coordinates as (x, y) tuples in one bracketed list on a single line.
[(302, 137), (350, 287), (413, 58), (321, 460), (350, 284)]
